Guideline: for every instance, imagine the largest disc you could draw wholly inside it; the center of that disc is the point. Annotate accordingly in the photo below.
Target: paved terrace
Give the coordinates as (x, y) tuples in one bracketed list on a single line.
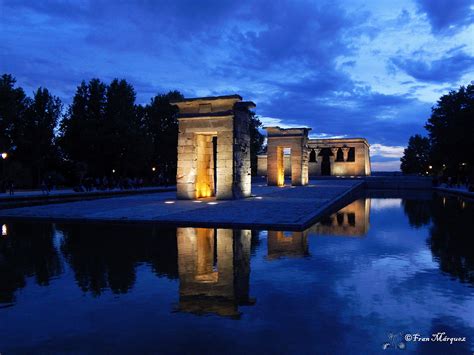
[(291, 208)]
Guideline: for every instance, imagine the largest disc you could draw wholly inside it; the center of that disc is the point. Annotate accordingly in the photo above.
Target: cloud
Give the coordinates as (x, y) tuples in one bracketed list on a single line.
[(295, 59), (447, 15), (392, 165), (447, 69), (386, 151), (326, 136)]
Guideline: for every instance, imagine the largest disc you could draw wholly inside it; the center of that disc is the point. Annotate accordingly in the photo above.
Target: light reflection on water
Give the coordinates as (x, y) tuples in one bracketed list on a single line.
[(375, 267)]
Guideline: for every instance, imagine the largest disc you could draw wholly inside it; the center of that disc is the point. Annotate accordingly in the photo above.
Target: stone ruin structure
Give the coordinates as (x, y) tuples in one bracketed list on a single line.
[(214, 148), (214, 270), (279, 139), (339, 157), (329, 157)]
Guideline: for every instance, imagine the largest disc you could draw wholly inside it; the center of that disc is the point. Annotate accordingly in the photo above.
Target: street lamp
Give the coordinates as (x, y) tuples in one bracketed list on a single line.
[(4, 155), (153, 169)]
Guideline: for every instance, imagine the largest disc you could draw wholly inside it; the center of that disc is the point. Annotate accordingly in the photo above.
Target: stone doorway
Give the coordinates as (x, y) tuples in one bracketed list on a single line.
[(213, 148), (206, 172), (294, 139), (325, 162)]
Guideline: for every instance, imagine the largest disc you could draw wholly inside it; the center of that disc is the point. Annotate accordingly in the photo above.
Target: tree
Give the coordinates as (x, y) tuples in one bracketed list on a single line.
[(104, 131), (126, 145), (13, 104), (451, 130), (34, 134), (162, 125), (416, 156), (81, 129), (256, 141)]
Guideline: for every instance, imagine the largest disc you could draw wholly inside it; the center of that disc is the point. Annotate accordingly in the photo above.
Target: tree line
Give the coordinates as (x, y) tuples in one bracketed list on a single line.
[(448, 149), (102, 133)]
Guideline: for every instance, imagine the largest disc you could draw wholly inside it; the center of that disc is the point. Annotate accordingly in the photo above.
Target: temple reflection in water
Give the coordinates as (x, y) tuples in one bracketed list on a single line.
[(214, 270), (287, 244), (352, 220), (211, 265)]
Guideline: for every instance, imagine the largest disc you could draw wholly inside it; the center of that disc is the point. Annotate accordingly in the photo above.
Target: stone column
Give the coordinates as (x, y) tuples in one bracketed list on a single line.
[(334, 154), (296, 165), (225, 162), (345, 152), (275, 166), (317, 151), (187, 164)]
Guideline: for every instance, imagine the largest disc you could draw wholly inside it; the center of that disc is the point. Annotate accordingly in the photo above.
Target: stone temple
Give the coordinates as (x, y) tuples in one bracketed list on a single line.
[(327, 157), (213, 148), (294, 139)]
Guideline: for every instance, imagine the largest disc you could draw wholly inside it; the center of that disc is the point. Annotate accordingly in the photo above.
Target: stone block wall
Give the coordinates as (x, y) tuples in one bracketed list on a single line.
[(200, 120), (359, 167), (296, 140)]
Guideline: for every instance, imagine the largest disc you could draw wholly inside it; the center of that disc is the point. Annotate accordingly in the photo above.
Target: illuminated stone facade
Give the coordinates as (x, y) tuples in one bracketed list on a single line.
[(214, 270), (330, 157), (279, 139), (214, 148)]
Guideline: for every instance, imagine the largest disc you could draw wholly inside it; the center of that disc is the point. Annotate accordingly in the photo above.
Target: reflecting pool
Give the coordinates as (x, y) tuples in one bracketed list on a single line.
[(357, 281)]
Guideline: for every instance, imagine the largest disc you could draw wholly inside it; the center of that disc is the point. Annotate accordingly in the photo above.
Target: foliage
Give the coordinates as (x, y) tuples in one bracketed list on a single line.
[(451, 130), (162, 125), (13, 104), (103, 132), (416, 156), (34, 134), (256, 141), (450, 143)]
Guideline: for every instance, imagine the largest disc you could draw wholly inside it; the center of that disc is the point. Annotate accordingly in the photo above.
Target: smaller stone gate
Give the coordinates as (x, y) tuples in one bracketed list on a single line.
[(279, 139)]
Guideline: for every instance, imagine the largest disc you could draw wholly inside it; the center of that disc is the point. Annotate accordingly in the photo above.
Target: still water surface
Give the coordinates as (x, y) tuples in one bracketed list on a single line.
[(377, 267)]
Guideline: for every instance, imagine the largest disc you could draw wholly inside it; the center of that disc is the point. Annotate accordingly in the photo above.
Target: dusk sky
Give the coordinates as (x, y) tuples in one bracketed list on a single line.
[(368, 69)]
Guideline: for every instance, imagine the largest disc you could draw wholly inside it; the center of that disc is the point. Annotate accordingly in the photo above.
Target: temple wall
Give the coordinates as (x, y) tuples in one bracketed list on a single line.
[(195, 167), (242, 186), (359, 167), (226, 119), (277, 141)]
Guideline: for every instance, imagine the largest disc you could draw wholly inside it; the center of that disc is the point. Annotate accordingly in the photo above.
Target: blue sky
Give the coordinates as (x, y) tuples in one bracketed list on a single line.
[(345, 68)]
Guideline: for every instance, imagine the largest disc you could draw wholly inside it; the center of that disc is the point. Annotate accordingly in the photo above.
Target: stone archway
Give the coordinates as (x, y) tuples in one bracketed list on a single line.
[(277, 140)]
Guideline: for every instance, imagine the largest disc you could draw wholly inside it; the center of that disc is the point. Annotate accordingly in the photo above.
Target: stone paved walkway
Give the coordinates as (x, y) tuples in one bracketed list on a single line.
[(272, 207)]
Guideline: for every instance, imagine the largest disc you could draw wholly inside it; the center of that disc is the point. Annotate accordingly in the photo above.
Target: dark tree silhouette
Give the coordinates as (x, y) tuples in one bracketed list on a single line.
[(451, 131), (162, 126), (80, 130), (256, 141), (34, 135), (416, 156), (13, 104)]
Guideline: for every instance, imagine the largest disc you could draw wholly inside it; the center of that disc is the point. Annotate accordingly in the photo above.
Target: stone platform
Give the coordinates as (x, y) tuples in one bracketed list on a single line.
[(288, 208)]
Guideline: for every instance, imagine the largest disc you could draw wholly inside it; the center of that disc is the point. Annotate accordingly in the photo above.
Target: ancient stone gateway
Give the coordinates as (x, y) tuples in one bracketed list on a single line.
[(330, 157), (213, 148), (279, 139)]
